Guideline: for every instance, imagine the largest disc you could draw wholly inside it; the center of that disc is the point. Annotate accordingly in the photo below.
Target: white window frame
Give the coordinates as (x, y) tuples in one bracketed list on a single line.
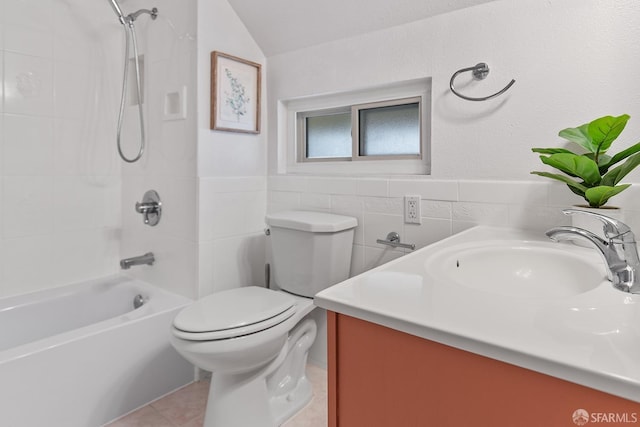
[(291, 154)]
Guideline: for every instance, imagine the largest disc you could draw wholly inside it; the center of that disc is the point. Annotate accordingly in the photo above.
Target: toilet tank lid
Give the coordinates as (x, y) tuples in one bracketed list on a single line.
[(314, 222)]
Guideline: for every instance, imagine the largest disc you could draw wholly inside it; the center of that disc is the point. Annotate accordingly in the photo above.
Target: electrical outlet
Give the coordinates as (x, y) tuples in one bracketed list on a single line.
[(412, 210)]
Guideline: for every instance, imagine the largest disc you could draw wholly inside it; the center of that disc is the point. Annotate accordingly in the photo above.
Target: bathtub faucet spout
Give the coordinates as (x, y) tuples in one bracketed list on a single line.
[(147, 258)]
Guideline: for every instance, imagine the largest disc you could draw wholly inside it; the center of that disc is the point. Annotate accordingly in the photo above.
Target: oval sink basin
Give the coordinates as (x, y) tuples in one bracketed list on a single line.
[(523, 269)]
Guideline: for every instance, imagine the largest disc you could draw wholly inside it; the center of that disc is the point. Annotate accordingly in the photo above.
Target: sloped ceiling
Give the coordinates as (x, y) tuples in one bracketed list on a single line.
[(280, 26)]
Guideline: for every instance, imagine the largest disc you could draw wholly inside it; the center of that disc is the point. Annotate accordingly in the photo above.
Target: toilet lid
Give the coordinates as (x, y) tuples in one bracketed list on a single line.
[(234, 312)]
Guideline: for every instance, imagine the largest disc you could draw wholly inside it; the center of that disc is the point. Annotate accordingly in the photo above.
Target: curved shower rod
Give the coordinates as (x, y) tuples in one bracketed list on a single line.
[(480, 72)]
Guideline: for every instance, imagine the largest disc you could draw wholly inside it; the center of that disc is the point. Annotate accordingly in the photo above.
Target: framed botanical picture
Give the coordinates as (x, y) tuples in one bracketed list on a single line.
[(235, 94)]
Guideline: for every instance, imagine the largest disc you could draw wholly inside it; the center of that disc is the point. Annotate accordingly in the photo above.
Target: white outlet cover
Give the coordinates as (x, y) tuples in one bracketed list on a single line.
[(412, 214)]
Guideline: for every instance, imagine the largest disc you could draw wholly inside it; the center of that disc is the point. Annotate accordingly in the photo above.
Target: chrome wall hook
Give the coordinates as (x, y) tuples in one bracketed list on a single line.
[(480, 71)]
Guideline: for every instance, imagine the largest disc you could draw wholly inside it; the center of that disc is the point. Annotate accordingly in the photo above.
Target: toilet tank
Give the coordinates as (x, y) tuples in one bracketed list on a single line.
[(310, 250)]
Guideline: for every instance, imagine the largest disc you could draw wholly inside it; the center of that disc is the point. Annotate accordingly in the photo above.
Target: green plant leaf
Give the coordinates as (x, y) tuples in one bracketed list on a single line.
[(574, 165), (605, 130), (598, 196), (576, 187), (615, 175), (597, 135), (580, 136), (603, 160), (551, 150), (621, 156)]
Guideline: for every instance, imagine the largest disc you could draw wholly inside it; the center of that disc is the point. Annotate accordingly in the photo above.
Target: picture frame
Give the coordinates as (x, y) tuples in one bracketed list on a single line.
[(235, 94)]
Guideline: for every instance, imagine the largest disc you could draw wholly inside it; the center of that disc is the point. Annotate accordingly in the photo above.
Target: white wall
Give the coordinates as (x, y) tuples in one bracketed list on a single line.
[(67, 199), (59, 176), (573, 60), (231, 166), (169, 163)]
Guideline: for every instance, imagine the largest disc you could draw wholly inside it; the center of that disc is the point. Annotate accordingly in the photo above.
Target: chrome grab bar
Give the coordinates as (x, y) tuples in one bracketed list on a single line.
[(480, 72), (393, 240)]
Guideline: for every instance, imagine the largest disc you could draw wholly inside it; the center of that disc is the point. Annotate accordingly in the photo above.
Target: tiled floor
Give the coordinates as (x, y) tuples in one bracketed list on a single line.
[(185, 407)]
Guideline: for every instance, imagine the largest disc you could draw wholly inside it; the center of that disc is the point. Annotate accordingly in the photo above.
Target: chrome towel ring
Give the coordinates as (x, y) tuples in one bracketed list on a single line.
[(480, 72)]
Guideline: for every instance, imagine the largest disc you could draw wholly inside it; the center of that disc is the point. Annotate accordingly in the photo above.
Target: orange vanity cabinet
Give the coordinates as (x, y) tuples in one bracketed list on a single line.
[(380, 377)]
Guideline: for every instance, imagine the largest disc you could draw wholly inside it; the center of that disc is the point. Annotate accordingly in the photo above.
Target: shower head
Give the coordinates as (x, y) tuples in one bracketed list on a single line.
[(118, 11), (132, 16)]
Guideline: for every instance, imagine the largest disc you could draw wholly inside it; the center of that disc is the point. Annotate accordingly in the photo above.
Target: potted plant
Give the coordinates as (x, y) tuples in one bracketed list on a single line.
[(590, 173)]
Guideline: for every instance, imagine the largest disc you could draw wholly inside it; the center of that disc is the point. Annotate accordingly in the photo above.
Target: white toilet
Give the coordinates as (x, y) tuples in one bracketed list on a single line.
[(255, 340)]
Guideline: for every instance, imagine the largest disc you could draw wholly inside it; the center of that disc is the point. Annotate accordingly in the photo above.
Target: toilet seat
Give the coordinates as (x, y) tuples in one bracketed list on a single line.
[(233, 313)]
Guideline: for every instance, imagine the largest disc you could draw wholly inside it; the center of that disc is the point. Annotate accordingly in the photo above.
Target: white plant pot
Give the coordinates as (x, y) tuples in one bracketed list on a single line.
[(593, 224)]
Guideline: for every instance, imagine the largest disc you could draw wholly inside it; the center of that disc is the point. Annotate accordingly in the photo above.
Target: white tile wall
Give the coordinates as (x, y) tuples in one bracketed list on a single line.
[(169, 163), (448, 206), (231, 224), (28, 85), (59, 181), (27, 145)]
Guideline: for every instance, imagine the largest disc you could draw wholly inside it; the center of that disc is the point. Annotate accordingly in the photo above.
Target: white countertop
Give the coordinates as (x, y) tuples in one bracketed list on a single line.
[(592, 338)]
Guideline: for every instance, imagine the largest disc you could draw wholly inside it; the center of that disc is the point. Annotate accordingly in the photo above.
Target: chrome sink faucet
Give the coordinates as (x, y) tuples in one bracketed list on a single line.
[(618, 249)]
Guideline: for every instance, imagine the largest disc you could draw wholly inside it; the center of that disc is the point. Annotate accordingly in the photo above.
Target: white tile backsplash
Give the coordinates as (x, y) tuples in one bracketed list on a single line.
[(238, 261), (559, 195), (427, 189), (331, 185), (385, 205), (287, 183), (315, 201), (481, 213), (436, 209), (283, 200), (231, 231), (341, 204), (372, 187), (374, 257), (525, 193), (430, 231), (448, 207), (377, 226)]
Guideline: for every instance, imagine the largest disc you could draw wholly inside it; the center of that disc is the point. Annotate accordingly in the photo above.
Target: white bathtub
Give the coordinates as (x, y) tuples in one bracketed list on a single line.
[(81, 356)]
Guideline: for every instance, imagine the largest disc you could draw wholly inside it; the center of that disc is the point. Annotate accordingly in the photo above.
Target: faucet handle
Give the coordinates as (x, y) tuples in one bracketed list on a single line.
[(612, 227), (150, 208)]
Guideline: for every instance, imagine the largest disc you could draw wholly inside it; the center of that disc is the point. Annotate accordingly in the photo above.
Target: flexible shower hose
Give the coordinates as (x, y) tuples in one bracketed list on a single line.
[(130, 38)]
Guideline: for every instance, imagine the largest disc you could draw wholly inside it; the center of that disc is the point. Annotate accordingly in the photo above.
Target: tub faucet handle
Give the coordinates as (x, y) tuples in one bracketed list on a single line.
[(150, 208)]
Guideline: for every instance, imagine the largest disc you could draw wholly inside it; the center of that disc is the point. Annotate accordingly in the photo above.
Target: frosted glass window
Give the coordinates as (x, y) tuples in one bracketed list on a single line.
[(390, 131), (328, 136)]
